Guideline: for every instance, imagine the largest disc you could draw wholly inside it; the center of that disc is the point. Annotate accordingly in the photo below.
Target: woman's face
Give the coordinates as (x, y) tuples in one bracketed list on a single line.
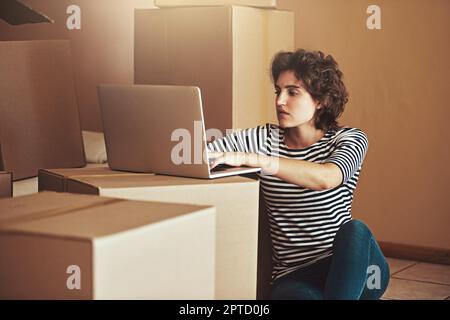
[(295, 106)]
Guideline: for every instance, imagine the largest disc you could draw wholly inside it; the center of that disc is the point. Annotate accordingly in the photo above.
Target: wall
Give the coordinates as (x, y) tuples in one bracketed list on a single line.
[(398, 80)]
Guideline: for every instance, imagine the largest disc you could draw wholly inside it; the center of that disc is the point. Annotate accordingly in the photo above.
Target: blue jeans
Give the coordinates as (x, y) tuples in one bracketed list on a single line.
[(356, 270)]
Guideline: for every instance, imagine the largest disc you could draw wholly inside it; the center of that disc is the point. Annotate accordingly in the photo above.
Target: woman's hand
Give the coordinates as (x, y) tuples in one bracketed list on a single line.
[(235, 159)]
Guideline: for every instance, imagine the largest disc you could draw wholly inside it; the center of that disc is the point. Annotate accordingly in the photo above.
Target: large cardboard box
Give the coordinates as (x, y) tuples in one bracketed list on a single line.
[(39, 123), (5, 184), (65, 246), (265, 262), (251, 3), (56, 179), (224, 50), (236, 201)]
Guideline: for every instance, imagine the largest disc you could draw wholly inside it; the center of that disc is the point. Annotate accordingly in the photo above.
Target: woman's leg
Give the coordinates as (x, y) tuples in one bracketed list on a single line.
[(303, 284), (358, 268)]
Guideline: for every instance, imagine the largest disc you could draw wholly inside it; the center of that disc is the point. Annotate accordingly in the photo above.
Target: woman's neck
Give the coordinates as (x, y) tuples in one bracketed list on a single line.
[(302, 137)]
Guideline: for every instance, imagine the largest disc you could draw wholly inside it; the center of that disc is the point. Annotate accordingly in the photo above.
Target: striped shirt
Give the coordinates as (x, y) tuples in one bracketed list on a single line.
[(303, 222)]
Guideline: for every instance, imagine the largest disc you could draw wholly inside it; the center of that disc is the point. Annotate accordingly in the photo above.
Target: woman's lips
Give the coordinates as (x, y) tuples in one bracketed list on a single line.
[(282, 114)]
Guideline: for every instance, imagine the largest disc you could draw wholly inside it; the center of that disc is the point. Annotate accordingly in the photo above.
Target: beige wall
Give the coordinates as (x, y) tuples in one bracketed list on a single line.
[(398, 78)]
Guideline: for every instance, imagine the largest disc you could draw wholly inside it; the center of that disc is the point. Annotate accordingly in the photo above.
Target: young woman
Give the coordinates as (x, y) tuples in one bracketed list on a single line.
[(310, 167)]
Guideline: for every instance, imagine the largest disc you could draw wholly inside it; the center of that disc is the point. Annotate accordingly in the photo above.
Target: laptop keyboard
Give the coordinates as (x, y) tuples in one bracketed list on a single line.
[(221, 167)]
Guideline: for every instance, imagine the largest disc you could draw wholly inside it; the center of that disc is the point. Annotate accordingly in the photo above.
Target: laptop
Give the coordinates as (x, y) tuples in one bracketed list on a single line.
[(158, 129)]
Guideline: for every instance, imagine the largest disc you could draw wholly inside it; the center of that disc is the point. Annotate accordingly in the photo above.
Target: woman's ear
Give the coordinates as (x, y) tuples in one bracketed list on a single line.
[(318, 104)]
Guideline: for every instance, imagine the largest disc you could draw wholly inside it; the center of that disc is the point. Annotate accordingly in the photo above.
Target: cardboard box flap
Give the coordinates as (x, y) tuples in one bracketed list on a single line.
[(43, 204), (105, 219), (15, 13)]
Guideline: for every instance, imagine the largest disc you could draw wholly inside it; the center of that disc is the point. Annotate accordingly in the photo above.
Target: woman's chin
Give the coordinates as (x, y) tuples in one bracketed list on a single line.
[(283, 124)]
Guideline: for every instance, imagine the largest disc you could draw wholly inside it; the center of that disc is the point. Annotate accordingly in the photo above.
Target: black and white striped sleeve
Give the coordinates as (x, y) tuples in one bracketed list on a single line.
[(348, 155), (245, 140)]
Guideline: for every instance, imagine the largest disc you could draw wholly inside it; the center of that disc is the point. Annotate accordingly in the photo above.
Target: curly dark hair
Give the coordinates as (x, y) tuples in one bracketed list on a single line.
[(322, 79)]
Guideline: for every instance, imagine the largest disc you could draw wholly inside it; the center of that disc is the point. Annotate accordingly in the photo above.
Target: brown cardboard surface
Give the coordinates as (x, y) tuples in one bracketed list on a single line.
[(102, 49), (39, 123), (224, 50), (107, 239), (46, 204), (148, 180), (99, 220), (236, 200), (252, 3), (265, 263), (398, 80), (5, 184), (56, 179), (35, 267)]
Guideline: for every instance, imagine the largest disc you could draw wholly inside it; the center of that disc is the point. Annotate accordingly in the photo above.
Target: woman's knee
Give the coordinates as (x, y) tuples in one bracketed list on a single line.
[(352, 239), (355, 227)]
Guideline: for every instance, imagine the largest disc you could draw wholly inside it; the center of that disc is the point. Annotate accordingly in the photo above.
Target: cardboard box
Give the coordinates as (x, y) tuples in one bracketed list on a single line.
[(224, 50), (65, 246), (101, 36), (251, 3), (236, 201), (39, 123), (5, 184), (56, 179), (265, 263)]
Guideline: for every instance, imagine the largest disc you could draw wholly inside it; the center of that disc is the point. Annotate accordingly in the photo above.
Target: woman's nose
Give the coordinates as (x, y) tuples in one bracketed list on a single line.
[(281, 100)]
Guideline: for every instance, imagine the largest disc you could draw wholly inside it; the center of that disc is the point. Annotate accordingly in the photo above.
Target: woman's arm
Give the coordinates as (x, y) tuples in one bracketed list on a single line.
[(343, 162), (246, 140), (306, 174)]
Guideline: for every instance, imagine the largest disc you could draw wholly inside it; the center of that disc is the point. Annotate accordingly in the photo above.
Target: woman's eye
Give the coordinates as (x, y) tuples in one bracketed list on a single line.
[(290, 92)]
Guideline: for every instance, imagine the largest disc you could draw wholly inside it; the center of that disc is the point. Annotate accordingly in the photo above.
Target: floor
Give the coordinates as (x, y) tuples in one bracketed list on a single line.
[(412, 280)]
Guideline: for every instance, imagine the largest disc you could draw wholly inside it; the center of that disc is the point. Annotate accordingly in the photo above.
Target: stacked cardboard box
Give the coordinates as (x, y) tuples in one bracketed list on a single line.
[(65, 246), (56, 179), (224, 50), (236, 200)]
